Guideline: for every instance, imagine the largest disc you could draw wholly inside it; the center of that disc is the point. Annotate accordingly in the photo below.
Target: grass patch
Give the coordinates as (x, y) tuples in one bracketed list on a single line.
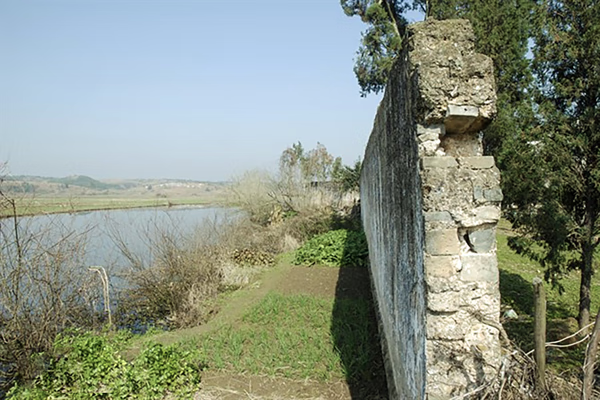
[(516, 275), (298, 337)]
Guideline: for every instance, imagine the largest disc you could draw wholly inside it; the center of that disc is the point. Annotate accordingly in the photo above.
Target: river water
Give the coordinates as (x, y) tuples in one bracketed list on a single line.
[(98, 234), (101, 231)]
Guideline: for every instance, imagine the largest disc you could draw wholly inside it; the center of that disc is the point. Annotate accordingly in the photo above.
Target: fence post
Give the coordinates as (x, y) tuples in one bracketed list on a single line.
[(590, 361), (540, 332)]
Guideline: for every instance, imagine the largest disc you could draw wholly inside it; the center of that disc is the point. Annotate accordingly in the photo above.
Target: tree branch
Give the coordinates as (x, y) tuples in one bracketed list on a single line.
[(392, 16)]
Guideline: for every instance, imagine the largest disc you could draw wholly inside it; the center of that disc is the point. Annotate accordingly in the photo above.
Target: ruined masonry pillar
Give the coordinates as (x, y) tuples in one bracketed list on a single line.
[(428, 191), (461, 207)]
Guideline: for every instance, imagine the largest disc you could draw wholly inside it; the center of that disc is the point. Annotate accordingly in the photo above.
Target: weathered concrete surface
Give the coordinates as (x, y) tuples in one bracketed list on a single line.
[(393, 222), (430, 204)]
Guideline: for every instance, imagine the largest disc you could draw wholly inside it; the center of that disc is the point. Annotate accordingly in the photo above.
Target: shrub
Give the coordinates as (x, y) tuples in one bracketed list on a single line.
[(252, 193), (309, 223), (176, 286), (43, 290), (173, 284), (335, 248)]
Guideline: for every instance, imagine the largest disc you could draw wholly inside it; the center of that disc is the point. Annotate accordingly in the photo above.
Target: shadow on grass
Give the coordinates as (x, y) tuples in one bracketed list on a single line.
[(355, 334), (517, 294)]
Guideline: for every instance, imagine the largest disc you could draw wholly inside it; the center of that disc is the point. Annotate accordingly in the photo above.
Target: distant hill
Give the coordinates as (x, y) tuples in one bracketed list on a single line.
[(83, 181), (82, 185), (27, 184), (30, 183)]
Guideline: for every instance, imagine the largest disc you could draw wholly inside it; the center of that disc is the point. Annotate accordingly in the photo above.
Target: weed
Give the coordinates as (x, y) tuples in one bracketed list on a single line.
[(88, 366), (335, 248)]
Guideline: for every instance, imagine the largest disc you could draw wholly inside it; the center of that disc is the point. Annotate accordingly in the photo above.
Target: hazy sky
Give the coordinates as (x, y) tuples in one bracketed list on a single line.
[(176, 89)]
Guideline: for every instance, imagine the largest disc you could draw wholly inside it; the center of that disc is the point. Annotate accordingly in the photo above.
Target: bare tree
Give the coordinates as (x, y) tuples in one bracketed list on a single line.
[(44, 289)]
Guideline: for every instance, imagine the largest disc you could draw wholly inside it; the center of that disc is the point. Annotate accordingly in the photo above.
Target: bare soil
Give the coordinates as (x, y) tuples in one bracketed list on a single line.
[(326, 282), (220, 385)]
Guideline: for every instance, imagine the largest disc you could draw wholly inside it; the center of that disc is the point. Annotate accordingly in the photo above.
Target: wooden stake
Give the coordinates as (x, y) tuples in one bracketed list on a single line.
[(540, 332), (105, 286)]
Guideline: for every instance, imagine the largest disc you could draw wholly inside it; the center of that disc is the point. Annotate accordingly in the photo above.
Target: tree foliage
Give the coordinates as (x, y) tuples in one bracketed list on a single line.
[(347, 177), (381, 42), (546, 136), (552, 174), (304, 167), (502, 30)]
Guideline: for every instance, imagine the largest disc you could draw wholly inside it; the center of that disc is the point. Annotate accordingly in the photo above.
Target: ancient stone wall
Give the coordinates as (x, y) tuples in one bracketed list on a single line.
[(430, 204)]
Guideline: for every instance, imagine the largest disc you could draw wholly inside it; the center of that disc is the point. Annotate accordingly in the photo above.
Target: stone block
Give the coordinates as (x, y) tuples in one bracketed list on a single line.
[(431, 132), (478, 194), (480, 162), (494, 194), (426, 137), (444, 302), (480, 215), (437, 129), (438, 216), (438, 162), (445, 295), (488, 213), (442, 266), (484, 299), (482, 240), (429, 148), (449, 284), (442, 242), (455, 110), (479, 268), (459, 118)]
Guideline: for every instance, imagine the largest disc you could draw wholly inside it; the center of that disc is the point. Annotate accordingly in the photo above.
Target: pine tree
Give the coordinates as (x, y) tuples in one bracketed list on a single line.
[(381, 42), (502, 31), (552, 176)]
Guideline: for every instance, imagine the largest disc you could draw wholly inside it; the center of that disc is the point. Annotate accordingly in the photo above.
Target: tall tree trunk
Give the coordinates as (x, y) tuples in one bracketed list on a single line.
[(590, 361), (583, 318), (587, 267)]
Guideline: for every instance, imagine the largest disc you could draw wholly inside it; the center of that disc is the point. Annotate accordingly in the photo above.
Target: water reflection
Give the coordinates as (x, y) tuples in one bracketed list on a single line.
[(106, 234)]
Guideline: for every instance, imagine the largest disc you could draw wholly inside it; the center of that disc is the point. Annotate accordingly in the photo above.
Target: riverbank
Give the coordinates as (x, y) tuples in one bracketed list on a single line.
[(38, 195), (308, 332), (55, 205)]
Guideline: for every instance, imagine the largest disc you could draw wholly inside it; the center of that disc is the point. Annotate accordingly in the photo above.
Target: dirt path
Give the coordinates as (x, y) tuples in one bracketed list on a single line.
[(234, 305), (325, 282), (283, 278), (226, 386)]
